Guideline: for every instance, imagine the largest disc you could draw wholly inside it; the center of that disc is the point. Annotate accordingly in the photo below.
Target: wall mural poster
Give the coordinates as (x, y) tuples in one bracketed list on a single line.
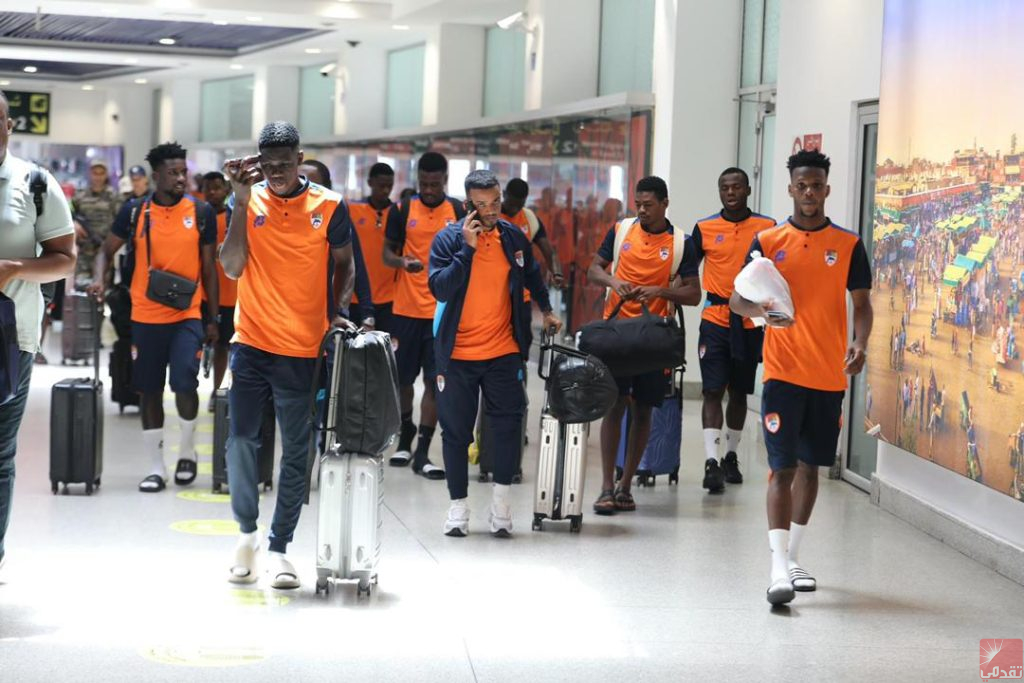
[(946, 379)]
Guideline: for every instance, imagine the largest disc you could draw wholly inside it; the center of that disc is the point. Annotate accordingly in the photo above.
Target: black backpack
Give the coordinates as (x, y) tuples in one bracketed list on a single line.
[(37, 186)]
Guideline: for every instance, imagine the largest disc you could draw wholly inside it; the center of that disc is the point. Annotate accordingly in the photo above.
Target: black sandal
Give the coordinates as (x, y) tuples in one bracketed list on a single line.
[(624, 501), (605, 503), (186, 471), (428, 469), (154, 483)]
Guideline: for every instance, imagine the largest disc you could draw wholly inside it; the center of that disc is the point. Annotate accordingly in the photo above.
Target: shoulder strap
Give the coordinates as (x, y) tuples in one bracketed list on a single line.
[(403, 210), (37, 185), (531, 222), (678, 248), (625, 225)]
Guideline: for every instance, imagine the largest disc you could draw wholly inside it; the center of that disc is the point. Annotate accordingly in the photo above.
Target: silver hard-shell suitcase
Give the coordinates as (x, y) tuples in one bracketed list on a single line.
[(562, 463)]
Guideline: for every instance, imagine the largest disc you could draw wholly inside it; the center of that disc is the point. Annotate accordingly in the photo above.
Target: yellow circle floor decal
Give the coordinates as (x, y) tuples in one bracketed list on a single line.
[(201, 448), (207, 527), (204, 655), (257, 598), (205, 427), (205, 468), (204, 497)]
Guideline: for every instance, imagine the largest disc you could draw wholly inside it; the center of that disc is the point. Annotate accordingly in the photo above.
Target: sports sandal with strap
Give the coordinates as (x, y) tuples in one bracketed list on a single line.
[(154, 483), (185, 472), (624, 501), (605, 503), (802, 581)]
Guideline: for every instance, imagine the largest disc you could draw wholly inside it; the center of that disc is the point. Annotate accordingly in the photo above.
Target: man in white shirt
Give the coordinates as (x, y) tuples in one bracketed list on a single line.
[(34, 248)]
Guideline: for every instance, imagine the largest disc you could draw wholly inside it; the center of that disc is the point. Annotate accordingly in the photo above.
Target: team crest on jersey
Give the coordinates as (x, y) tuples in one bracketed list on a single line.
[(780, 256), (412, 223), (663, 253), (440, 382), (188, 222), (135, 352), (627, 246), (831, 257), (260, 221), (701, 350), (519, 259), (362, 220), (772, 422), (720, 239), (317, 219)]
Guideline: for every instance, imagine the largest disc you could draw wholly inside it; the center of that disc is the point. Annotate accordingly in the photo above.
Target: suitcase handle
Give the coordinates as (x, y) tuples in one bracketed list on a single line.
[(548, 348), (97, 324)]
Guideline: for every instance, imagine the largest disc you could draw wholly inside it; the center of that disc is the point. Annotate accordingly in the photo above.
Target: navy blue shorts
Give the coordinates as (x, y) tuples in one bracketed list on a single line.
[(413, 339), (718, 369), (383, 316), (157, 346), (226, 327), (800, 424), (648, 389)]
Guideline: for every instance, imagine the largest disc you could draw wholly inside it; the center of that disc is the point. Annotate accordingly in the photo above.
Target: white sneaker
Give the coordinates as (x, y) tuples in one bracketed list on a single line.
[(457, 524), (501, 520)]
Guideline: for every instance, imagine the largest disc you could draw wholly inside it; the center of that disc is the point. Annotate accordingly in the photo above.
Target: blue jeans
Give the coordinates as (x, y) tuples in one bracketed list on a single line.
[(10, 421), (258, 377)]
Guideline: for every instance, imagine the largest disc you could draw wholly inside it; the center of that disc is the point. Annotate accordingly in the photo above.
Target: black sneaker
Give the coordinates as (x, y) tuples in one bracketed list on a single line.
[(714, 480), (732, 469)]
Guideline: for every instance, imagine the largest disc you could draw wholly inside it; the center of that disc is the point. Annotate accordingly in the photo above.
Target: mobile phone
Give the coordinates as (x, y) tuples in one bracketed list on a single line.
[(469, 207), (777, 315)]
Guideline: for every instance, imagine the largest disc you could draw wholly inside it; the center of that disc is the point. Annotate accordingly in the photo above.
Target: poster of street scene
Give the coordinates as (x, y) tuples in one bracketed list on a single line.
[(946, 377)]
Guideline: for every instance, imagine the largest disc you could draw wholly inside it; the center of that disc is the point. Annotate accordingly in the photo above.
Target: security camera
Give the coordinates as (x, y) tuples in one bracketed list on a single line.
[(326, 70), (353, 43)]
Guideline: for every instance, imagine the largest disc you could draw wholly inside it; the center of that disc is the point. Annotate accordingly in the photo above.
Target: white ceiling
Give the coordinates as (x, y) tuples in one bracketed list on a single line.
[(371, 22)]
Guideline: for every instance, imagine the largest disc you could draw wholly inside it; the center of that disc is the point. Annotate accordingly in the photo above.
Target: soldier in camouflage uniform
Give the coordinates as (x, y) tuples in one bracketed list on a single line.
[(94, 210)]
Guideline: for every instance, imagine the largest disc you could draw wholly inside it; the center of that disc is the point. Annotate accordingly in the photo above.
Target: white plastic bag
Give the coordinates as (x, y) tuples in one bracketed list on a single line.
[(761, 281)]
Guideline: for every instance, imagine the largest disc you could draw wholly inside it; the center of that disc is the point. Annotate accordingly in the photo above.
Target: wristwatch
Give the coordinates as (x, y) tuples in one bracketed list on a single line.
[(344, 313)]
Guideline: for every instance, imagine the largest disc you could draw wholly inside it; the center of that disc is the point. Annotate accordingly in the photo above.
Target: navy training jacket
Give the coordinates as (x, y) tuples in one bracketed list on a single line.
[(451, 261)]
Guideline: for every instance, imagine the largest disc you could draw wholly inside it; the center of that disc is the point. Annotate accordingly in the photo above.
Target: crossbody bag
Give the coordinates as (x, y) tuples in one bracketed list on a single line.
[(167, 288)]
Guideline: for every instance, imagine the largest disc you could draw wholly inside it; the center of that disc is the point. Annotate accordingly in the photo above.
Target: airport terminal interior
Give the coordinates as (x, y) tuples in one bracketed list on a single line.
[(590, 107)]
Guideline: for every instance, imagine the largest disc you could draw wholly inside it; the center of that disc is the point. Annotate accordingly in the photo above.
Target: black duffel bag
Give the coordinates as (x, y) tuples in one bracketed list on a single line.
[(580, 388), (634, 346)]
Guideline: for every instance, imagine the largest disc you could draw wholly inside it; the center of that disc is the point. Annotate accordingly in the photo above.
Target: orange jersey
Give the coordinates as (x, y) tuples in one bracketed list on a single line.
[(228, 289), (370, 224), (177, 234), (645, 260), (723, 246), (412, 291), (485, 328), (282, 294), (820, 266), (523, 223)]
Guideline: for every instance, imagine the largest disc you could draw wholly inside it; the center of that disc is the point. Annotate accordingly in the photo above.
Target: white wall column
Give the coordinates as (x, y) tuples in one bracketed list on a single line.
[(361, 90), (275, 96), (453, 78), (566, 41), (695, 115), (128, 121), (179, 111)]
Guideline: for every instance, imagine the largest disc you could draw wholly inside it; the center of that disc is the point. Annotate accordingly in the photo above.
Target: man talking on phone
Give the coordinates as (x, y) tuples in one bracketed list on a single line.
[(479, 269), (806, 359), (278, 239)]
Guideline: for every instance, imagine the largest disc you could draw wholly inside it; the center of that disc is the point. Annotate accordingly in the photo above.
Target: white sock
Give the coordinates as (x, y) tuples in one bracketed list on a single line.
[(500, 494), (796, 534), (732, 440), (153, 444), (778, 541), (188, 438), (251, 540), (712, 437)]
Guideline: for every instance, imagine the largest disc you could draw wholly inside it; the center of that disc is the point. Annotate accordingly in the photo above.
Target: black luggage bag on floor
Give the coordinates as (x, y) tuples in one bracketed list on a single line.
[(121, 391), (221, 424), (76, 427)]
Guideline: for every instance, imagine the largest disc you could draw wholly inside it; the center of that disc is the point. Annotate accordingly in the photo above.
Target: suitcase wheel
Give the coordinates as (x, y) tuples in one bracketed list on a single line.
[(364, 588), (97, 482), (88, 489), (673, 478), (54, 487), (216, 488), (268, 486), (517, 478), (537, 525), (645, 480), (323, 585), (575, 524)]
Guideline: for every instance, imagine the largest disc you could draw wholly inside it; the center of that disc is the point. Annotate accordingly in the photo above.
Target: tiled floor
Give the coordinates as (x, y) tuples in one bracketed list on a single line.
[(103, 589)]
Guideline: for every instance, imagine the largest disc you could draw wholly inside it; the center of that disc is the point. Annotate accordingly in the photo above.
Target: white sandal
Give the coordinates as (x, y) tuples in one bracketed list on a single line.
[(244, 569), (802, 581), (284, 575)]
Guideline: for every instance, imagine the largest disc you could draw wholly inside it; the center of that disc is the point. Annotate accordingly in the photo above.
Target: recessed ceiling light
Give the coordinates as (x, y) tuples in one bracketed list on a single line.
[(88, 87), (400, 27), (254, 19), (141, 81), (313, 50), (220, 22), (236, 67), (30, 69), (5, 83), (130, 60), (167, 41)]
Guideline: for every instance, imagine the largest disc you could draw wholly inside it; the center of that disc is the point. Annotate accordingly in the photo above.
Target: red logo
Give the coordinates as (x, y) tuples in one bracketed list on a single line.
[(1002, 658), (772, 422)]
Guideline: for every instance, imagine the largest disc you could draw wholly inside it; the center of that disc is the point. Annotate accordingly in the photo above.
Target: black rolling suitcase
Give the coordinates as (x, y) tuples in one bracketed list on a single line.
[(221, 423), (80, 334), (121, 391), (76, 428)]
